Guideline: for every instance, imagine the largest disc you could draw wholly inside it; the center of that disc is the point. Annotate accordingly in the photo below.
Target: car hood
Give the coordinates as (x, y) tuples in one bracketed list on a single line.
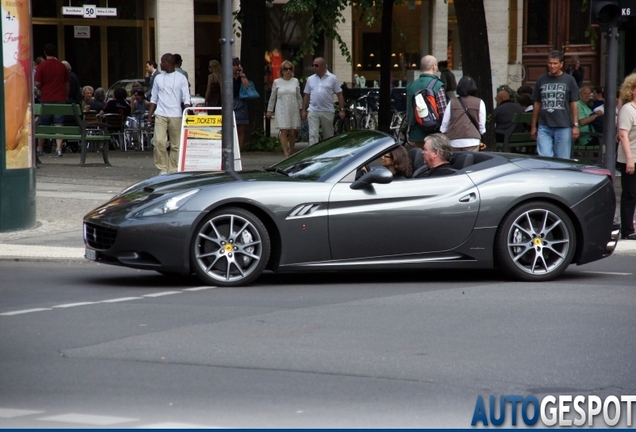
[(157, 188)]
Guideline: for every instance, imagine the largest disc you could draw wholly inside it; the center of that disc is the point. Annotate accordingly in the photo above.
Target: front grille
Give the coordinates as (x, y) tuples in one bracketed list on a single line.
[(99, 237)]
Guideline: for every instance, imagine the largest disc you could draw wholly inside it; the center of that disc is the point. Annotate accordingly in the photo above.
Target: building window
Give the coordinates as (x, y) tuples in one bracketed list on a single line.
[(128, 9), (206, 7), (44, 8), (579, 22), (538, 24), (371, 50)]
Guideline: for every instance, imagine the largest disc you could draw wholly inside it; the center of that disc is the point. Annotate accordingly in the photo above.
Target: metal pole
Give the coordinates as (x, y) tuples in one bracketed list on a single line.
[(227, 100), (609, 120)]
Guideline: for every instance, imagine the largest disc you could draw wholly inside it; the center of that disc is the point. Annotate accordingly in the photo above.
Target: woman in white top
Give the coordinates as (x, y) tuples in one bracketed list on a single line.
[(464, 120), (288, 102), (625, 161)]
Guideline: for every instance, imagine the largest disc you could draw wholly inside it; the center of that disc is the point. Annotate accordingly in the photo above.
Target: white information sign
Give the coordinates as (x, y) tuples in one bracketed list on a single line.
[(201, 141), (90, 11), (72, 10), (82, 32), (107, 12)]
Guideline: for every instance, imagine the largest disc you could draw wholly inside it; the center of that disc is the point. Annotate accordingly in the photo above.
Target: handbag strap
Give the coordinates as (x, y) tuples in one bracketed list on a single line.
[(470, 116)]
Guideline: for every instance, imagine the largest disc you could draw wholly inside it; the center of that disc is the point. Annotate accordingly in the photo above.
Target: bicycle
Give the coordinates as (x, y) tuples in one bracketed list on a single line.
[(366, 110), (399, 126), (346, 124)]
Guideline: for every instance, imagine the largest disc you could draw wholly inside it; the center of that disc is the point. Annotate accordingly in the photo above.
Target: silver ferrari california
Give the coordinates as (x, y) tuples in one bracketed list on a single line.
[(332, 206)]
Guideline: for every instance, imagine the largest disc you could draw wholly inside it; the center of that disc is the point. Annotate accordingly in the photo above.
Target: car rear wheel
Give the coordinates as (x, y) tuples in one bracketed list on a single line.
[(230, 247), (535, 242)]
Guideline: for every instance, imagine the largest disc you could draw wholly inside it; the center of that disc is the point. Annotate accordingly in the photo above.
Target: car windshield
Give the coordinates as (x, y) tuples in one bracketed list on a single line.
[(319, 159)]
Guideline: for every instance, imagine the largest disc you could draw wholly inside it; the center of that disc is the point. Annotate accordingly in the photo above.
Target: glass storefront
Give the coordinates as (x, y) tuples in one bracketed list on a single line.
[(101, 50)]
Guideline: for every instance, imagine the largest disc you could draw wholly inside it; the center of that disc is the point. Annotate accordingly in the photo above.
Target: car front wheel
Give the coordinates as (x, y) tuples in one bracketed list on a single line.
[(230, 247), (535, 242)]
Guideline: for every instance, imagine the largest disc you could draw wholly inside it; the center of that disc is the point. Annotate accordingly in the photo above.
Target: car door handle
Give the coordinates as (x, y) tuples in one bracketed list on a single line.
[(468, 198)]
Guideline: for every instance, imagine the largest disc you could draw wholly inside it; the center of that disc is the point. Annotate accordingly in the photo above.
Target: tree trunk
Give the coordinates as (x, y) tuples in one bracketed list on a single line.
[(384, 114), (253, 60), (473, 35)]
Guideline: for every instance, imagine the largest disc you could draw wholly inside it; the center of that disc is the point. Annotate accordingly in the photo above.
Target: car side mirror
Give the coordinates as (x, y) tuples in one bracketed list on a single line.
[(380, 175)]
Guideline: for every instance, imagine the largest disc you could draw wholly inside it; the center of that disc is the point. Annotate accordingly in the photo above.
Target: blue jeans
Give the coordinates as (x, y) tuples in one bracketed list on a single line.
[(554, 142)]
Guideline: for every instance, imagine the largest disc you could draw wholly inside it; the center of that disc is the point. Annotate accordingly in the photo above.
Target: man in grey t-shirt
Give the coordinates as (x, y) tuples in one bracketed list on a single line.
[(555, 111)]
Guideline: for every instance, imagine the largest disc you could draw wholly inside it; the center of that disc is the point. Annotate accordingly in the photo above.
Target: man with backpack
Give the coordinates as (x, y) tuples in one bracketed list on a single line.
[(425, 113)]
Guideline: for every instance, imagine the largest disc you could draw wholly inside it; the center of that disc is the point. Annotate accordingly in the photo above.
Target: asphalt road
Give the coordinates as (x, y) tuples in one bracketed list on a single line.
[(87, 345)]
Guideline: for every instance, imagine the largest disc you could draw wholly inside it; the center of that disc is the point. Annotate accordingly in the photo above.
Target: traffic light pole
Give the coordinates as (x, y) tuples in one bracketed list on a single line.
[(609, 119), (227, 127)]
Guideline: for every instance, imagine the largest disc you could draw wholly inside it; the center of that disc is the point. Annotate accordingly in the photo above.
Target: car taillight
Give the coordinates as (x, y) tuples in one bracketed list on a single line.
[(598, 171)]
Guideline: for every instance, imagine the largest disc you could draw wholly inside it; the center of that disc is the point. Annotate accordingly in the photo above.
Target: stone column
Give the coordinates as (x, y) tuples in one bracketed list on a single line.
[(175, 32), (497, 18), (341, 67), (439, 29)]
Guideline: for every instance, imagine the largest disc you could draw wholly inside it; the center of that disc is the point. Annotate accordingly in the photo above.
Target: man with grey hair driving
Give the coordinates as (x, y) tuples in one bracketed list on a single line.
[(437, 153)]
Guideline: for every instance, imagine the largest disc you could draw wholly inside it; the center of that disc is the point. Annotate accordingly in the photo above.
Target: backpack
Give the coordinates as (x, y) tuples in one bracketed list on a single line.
[(427, 115)]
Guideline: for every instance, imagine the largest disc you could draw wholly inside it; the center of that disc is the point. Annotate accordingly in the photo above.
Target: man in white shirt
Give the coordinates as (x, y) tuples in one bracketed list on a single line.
[(318, 100), (169, 92)]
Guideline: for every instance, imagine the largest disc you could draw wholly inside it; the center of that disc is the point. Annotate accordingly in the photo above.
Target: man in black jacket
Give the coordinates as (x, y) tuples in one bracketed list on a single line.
[(503, 114), (151, 73)]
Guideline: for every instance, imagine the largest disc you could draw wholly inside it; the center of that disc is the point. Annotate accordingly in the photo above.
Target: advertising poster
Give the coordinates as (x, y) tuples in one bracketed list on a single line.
[(203, 149), (16, 50), (202, 142)]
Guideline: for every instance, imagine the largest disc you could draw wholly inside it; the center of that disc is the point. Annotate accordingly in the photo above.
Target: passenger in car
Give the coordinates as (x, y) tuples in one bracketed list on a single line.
[(437, 153), (397, 161)]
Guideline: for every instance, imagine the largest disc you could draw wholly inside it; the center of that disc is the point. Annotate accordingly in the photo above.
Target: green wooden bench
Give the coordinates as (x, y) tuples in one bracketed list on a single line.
[(592, 152), (514, 138), (82, 131)]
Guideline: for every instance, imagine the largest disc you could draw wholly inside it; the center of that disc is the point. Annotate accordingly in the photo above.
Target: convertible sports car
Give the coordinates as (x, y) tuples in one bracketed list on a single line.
[(318, 210)]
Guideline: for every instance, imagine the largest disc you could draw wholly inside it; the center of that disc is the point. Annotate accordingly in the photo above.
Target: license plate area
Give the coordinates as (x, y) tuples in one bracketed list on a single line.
[(90, 254)]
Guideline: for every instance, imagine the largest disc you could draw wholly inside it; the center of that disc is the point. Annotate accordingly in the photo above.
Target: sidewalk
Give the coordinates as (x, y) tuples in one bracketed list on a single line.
[(66, 192)]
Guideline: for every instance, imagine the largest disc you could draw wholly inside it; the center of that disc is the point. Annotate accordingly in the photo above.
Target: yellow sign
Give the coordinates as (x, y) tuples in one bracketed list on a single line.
[(199, 120)]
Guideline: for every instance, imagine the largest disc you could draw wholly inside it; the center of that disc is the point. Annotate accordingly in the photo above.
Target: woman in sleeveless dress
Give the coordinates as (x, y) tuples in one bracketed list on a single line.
[(288, 103)]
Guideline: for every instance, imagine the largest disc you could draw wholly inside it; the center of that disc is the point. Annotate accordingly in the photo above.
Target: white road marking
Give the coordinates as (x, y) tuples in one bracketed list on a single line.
[(122, 299), (163, 294), (173, 425), (24, 311), (608, 273), (200, 288), (115, 300), (88, 419), (11, 413), (68, 305)]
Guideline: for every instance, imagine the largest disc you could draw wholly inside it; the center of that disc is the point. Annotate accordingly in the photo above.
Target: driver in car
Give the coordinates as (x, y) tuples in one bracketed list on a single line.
[(437, 153)]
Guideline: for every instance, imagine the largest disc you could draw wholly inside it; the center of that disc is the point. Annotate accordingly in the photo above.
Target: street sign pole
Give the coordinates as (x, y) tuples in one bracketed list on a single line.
[(609, 120), (227, 129)]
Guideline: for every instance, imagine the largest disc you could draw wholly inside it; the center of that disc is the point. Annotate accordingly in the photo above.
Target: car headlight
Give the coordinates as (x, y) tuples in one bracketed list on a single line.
[(168, 205)]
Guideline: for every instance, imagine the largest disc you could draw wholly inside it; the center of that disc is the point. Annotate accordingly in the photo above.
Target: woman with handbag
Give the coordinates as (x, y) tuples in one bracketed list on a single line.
[(464, 120), (240, 106), (288, 102)]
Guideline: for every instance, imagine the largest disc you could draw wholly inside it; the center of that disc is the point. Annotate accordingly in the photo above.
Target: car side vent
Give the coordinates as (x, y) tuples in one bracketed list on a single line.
[(304, 210)]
